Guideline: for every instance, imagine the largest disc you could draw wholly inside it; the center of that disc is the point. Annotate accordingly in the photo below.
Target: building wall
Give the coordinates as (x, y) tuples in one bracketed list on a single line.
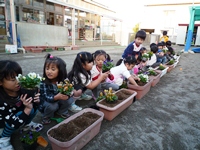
[(42, 35)]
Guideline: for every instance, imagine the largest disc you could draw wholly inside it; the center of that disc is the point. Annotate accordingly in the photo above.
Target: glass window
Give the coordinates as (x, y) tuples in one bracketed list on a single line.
[(38, 3), (59, 20), (38, 16), (17, 13), (27, 2), (27, 14), (50, 6), (50, 18)]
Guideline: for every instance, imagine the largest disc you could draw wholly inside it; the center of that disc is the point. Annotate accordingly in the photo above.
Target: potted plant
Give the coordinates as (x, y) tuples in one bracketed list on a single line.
[(114, 103), (107, 65), (65, 87), (163, 69), (143, 87), (170, 64), (76, 131), (29, 139), (29, 83), (154, 76)]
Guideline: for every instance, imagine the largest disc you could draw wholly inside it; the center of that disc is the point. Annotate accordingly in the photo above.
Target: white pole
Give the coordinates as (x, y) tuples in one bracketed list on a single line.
[(12, 13), (73, 27), (101, 29)]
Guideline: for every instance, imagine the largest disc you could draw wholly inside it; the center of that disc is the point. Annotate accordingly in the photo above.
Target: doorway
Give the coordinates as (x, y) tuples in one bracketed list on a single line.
[(2, 21)]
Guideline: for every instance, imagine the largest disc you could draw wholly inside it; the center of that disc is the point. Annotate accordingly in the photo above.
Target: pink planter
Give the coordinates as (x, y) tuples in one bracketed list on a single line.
[(111, 112), (155, 79), (141, 90), (81, 139)]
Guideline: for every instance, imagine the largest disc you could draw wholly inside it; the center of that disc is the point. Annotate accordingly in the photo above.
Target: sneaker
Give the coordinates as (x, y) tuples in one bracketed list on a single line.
[(85, 97), (32, 126), (5, 144), (74, 108), (64, 116)]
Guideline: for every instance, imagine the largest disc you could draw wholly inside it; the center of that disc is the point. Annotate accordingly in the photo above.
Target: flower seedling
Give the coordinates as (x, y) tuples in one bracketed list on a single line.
[(110, 96), (171, 62), (152, 72), (29, 81), (107, 65), (161, 67), (100, 97), (65, 87), (29, 137), (143, 78)]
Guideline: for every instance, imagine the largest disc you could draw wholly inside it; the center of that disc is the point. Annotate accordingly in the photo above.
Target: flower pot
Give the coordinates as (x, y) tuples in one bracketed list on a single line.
[(82, 138), (30, 92), (155, 79), (30, 147), (141, 90), (170, 67), (111, 112), (163, 72)]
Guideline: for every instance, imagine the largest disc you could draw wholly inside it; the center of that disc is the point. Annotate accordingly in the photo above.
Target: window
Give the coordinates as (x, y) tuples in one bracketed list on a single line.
[(50, 6), (38, 16), (38, 3), (58, 8), (27, 14), (27, 2)]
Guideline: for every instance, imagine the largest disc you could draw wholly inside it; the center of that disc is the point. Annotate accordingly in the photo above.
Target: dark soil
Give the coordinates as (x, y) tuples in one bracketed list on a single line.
[(156, 73), (140, 83), (122, 95), (68, 131)]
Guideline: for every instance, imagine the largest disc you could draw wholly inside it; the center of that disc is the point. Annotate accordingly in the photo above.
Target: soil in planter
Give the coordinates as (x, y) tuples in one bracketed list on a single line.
[(68, 131), (155, 74), (122, 95)]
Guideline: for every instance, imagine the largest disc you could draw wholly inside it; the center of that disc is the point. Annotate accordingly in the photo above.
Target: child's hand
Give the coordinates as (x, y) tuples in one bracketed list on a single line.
[(27, 102), (60, 96), (37, 98), (77, 93), (104, 75), (161, 54)]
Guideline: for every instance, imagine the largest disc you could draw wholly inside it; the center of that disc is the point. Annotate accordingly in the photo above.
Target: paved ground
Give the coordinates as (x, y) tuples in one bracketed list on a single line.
[(166, 118)]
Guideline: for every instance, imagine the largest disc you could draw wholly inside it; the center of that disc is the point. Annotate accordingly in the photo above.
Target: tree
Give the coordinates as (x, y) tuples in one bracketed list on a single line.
[(136, 28)]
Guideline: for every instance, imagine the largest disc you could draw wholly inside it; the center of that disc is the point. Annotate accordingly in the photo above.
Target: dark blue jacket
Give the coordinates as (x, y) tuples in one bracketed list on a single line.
[(129, 51)]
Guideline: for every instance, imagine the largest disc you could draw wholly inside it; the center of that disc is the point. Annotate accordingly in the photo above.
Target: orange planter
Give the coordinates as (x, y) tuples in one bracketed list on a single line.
[(141, 90), (111, 112)]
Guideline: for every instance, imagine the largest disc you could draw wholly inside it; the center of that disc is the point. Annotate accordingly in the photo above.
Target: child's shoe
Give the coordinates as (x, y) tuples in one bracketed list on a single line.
[(74, 108), (5, 144), (85, 97), (32, 126), (64, 116), (46, 120)]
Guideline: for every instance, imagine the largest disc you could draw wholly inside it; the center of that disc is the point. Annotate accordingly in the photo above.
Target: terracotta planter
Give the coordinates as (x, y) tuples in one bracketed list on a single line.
[(82, 138), (111, 112), (170, 67), (155, 79), (141, 90)]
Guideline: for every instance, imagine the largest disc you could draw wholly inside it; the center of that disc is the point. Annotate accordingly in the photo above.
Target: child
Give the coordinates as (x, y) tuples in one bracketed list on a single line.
[(133, 49), (152, 61), (52, 101), (99, 57), (160, 55), (80, 74), (122, 71), (164, 38), (15, 109), (170, 54)]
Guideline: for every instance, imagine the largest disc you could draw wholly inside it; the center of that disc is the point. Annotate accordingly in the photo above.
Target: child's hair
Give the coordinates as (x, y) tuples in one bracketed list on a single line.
[(130, 60), (160, 44), (152, 44), (9, 69), (142, 49), (163, 43), (77, 68), (168, 43), (154, 49), (60, 64), (141, 34), (101, 52), (164, 32)]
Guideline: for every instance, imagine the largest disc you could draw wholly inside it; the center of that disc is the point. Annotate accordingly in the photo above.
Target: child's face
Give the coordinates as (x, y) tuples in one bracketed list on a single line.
[(99, 60), (51, 71), (10, 85), (88, 66), (129, 67), (138, 41), (160, 47)]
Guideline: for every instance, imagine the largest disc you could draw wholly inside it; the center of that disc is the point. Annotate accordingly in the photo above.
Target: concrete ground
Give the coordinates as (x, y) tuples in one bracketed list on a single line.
[(166, 118)]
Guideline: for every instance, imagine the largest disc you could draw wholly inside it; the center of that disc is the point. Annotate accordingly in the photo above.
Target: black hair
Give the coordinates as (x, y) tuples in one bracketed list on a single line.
[(101, 52), (130, 60), (77, 68), (160, 44), (168, 43), (164, 32), (152, 44), (60, 64), (164, 44), (141, 34), (9, 69), (154, 49), (143, 49)]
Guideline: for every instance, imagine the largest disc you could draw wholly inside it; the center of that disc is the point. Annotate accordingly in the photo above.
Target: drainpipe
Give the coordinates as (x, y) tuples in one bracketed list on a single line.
[(13, 22)]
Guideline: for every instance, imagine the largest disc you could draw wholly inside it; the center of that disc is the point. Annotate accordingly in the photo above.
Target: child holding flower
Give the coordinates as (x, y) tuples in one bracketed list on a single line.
[(16, 110), (53, 101)]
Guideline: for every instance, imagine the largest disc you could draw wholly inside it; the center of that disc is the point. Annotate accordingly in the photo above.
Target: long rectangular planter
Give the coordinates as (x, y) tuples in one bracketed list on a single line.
[(81, 139), (111, 112), (155, 79), (163, 72), (141, 90)]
